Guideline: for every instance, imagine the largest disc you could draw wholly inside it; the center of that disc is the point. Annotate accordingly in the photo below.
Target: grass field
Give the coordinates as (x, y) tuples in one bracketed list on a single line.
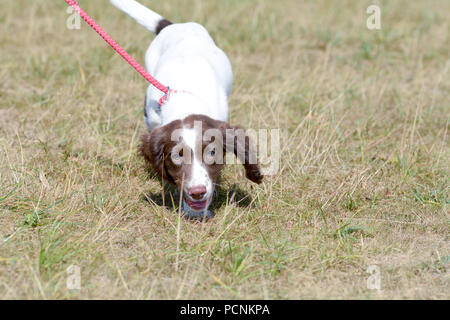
[(364, 176)]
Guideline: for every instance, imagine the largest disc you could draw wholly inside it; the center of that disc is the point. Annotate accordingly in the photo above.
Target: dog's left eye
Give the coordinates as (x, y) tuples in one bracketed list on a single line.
[(177, 157)]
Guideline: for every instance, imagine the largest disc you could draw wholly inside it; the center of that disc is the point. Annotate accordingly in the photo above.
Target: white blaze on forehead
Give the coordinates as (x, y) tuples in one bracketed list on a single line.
[(199, 175)]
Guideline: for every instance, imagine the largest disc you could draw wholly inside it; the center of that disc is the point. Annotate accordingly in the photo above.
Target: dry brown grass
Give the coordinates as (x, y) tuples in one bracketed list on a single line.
[(363, 179)]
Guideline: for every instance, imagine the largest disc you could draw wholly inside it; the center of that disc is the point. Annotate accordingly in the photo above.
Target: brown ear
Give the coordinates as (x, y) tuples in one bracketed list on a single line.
[(236, 140), (153, 149)]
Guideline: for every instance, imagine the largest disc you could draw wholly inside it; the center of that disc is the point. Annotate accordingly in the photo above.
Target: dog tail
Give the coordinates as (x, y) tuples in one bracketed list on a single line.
[(144, 16)]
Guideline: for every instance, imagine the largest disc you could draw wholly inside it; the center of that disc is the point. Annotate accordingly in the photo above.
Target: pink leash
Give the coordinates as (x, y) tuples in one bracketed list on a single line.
[(121, 51)]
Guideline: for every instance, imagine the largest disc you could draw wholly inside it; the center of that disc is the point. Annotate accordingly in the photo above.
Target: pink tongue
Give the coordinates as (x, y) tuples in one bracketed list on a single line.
[(198, 205)]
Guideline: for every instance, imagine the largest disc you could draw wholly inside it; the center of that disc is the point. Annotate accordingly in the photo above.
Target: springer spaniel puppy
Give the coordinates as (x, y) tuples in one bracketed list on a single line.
[(188, 135)]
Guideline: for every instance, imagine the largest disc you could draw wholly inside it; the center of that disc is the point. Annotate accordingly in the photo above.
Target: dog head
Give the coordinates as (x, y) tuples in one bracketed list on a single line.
[(190, 154)]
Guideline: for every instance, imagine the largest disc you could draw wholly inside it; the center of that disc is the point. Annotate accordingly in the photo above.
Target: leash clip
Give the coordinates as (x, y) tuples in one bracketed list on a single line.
[(164, 98), (168, 93)]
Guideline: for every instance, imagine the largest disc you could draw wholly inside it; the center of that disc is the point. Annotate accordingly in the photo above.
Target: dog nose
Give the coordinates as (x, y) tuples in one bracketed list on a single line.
[(197, 192)]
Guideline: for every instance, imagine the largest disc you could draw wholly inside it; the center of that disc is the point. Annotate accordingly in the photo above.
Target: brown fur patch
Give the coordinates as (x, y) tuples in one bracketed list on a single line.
[(161, 25)]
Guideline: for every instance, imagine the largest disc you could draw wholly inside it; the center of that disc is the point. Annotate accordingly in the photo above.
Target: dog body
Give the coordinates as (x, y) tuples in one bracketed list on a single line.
[(185, 57), (199, 74)]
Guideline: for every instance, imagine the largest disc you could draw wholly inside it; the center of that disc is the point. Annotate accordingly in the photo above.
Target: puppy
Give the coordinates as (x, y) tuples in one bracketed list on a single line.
[(188, 135)]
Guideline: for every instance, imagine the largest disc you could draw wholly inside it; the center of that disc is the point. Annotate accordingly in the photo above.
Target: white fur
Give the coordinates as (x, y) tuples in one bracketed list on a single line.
[(185, 58), (141, 14), (199, 175)]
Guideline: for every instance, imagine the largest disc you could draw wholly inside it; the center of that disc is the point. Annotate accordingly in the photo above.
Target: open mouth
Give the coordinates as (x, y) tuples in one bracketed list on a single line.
[(196, 209), (196, 205)]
